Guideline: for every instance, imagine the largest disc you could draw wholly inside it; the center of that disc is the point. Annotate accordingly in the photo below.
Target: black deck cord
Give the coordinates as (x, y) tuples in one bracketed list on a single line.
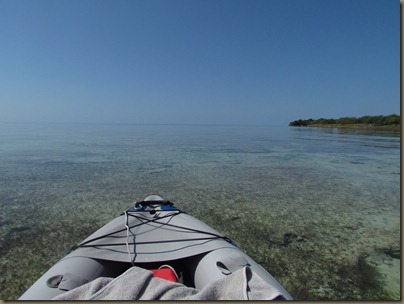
[(214, 236), (189, 229), (117, 231), (157, 242)]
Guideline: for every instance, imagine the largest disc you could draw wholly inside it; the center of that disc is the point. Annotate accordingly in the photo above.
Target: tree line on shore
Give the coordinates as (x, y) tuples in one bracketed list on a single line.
[(380, 120)]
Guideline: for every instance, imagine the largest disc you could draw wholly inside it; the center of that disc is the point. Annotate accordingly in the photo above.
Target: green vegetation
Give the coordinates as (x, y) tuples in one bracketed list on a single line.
[(390, 122)]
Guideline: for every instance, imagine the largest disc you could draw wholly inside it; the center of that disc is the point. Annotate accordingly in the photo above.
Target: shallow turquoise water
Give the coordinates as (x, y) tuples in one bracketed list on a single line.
[(333, 194)]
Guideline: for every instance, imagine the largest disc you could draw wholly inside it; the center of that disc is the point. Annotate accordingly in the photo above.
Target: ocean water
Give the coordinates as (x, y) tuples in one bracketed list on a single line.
[(318, 208)]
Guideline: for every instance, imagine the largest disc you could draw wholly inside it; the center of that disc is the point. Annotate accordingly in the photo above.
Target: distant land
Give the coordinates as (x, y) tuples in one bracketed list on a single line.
[(387, 123)]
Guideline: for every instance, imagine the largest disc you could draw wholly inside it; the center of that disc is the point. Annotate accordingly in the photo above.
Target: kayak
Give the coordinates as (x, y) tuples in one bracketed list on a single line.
[(155, 235)]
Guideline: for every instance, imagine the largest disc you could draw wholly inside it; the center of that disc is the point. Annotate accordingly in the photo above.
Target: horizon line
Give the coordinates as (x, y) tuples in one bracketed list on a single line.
[(144, 123)]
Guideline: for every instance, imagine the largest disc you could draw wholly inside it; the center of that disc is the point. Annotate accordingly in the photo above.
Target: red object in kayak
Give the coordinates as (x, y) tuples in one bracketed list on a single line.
[(165, 273)]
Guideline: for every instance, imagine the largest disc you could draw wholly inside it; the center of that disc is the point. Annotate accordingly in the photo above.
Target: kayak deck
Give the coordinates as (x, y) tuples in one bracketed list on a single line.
[(150, 234)]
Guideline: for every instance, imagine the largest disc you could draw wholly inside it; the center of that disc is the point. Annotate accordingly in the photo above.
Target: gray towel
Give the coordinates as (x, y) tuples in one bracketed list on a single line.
[(140, 284)]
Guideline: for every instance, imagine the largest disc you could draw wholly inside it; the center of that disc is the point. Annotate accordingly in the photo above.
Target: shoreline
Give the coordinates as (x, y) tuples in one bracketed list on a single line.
[(395, 128)]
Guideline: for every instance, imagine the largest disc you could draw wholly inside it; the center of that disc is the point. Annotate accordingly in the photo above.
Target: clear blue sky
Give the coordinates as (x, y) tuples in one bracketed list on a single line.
[(191, 61)]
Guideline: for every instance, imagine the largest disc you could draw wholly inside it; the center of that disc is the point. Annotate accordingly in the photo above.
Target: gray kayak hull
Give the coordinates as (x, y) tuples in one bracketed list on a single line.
[(148, 235)]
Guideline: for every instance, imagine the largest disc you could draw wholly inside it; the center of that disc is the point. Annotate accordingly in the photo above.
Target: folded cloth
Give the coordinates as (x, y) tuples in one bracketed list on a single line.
[(140, 284)]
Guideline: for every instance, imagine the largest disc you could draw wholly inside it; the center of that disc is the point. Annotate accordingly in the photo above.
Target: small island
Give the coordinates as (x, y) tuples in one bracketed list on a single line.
[(386, 123)]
